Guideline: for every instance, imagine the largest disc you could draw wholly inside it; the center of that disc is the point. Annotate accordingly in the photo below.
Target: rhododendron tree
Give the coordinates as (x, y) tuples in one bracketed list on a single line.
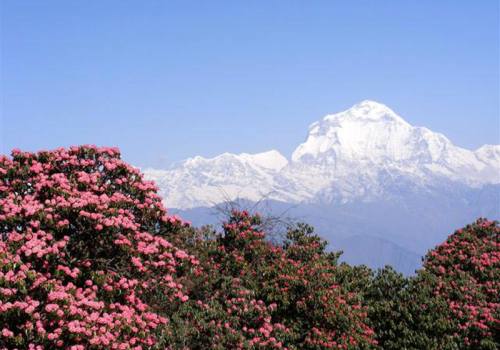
[(467, 268), (257, 294), (452, 303), (81, 249), (90, 259)]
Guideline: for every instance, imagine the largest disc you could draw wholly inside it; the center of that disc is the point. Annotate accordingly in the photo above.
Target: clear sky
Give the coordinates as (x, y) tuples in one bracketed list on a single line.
[(166, 80)]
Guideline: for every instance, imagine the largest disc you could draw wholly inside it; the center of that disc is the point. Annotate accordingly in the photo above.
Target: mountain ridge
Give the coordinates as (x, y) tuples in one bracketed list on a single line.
[(350, 155), (374, 186)]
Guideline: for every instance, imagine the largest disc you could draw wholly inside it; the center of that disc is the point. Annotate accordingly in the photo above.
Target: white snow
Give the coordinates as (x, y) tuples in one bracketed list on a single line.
[(272, 160), (354, 154)]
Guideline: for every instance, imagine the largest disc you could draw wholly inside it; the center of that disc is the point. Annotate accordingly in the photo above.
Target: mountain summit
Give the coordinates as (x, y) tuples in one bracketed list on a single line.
[(375, 186), (368, 129), (360, 153)]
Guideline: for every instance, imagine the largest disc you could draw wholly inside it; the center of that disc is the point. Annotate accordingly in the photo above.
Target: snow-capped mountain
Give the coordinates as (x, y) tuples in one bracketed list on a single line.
[(198, 181), (374, 186), (357, 154)]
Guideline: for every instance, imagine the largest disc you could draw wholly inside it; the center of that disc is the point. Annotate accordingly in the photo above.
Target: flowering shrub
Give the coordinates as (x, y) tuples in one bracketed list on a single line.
[(257, 295), (80, 251), (452, 303), (467, 268), (89, 259)]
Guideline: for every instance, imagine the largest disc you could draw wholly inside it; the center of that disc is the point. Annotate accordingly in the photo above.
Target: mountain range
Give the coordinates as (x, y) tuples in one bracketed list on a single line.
[(374, 186)]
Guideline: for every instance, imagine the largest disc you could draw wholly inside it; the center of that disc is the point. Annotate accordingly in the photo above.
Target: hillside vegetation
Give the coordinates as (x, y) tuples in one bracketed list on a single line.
[(90, 259)]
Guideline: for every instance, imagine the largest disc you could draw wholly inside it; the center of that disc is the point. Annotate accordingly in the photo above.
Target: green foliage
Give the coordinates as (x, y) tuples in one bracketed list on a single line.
[(89, 258)]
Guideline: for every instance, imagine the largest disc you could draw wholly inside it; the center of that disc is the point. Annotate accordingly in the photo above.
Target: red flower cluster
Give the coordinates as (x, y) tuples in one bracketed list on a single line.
[(467, 267), (298, 283), (89, 259), (79, 253)]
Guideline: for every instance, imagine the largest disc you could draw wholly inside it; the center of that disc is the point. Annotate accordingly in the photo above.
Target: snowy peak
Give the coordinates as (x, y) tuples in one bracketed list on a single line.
[(200, 181), (362, 153), (370, 139), (270, 160), (489, 152), (367, 131), (367, 111)]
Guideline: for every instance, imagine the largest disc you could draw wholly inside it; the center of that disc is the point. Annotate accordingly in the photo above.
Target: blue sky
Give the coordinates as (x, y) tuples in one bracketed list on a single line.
[(165, 80)]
